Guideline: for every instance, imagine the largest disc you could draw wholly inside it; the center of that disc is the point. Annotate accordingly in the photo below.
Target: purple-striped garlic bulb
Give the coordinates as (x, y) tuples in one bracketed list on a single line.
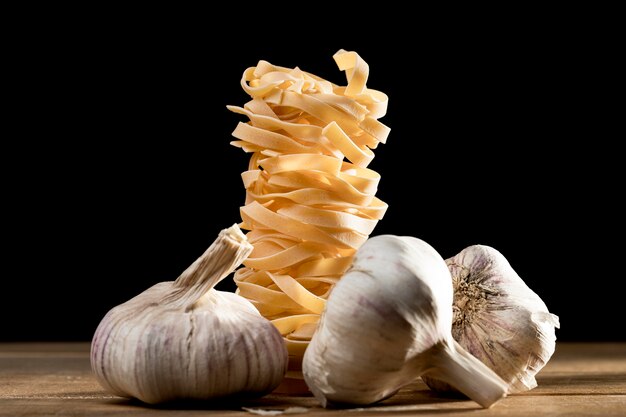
[(184, 340), (498, 318)]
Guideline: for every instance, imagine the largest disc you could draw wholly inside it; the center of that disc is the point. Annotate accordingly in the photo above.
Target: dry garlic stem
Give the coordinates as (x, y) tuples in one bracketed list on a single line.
[(182, 339), (387, 322), (308, 210), (498, 319)]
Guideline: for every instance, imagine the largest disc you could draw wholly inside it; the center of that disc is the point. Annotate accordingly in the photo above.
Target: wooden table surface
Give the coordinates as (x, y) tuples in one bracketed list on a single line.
[(45, 379)]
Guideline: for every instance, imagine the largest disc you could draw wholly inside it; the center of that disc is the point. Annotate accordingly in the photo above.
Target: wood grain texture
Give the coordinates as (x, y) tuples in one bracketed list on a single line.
[(45, 379)]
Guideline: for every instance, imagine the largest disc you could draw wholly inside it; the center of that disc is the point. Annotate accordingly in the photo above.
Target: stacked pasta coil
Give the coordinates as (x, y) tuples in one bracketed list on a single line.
[(310, 198)]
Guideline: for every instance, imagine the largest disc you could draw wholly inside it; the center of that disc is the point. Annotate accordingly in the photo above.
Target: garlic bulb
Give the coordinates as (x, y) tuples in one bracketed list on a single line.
[(386, 322), (498, 319), (182, 339)]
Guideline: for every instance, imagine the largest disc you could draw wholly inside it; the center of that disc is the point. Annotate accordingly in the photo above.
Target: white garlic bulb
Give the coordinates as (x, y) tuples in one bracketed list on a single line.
[(184, 340), (388, 321), (498, 319)]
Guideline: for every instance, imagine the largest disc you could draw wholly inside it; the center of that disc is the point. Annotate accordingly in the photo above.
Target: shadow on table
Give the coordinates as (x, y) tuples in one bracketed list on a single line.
[(408, 401), (225, 404)]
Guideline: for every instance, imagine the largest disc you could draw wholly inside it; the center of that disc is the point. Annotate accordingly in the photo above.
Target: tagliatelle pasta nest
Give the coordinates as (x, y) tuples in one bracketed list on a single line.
[(308, 210)]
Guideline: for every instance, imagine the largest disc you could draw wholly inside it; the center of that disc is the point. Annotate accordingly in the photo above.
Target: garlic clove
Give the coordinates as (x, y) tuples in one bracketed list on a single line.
[(185, 340), (498, 319), (386, 322)]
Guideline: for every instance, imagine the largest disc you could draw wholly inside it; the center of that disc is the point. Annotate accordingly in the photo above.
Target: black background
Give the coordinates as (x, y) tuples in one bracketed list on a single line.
[(118, 171)]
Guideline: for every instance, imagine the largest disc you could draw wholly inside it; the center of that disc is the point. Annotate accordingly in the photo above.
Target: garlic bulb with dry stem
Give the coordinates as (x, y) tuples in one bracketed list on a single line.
[(387, 322), (498, 319), (183, 339)]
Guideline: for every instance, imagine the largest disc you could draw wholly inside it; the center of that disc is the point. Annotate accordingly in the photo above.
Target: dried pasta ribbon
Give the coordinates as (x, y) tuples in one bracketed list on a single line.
[(310, 198)]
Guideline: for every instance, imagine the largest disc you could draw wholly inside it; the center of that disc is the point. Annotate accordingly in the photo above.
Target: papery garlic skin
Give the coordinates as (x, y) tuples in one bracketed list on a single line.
[(386, 322), (184, 340), (498, 318)]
